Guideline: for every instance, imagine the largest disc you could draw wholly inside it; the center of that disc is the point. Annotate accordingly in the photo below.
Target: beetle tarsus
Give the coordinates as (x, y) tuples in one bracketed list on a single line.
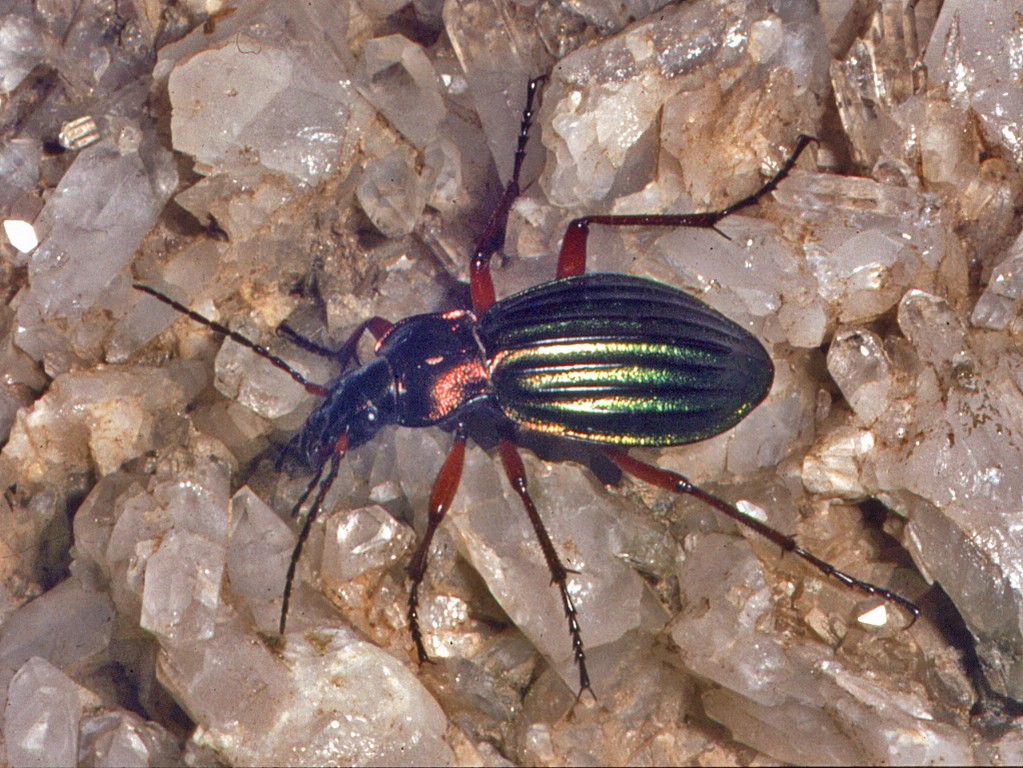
[(532, 91), (802, 142), (413, 620)]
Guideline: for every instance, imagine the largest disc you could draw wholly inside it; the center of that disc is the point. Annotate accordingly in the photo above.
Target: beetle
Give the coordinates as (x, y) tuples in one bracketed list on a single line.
[(612, 360)]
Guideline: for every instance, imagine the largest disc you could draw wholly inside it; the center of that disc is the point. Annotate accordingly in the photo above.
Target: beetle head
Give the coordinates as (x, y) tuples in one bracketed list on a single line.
[(355, 409)]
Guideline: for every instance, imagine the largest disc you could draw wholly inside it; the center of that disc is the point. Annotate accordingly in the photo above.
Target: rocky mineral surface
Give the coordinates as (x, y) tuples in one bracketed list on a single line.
[(325, 161)]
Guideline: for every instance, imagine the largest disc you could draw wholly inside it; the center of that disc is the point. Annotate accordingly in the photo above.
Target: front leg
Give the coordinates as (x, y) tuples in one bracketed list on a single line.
[(444, 489), (346, 353)]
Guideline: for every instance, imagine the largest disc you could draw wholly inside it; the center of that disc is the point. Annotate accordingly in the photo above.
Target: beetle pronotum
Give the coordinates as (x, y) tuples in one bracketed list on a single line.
[(612, 360)]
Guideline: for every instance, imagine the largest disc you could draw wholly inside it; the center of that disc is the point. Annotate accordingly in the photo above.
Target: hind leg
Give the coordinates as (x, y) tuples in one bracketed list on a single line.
[(572, 258)]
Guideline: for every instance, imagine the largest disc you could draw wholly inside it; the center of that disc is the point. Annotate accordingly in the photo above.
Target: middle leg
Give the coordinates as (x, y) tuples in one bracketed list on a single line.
[(492, 239), (516, 473)]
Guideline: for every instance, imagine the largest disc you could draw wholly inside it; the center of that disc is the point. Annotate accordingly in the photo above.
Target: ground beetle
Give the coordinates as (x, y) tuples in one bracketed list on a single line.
[(609, 359)]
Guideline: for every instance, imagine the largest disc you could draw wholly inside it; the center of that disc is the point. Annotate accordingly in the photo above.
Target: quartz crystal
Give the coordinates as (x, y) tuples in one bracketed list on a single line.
[(398, 78), (264, 89), (125, 739), (42, 714), (390, 194), (19, 164), (22, 47), (999, 306), (90, 227), (974, 54), (276, 97), (316, 164)]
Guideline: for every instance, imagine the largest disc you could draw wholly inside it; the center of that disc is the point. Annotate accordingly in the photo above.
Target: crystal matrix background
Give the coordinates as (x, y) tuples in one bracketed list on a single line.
[(325, 162)]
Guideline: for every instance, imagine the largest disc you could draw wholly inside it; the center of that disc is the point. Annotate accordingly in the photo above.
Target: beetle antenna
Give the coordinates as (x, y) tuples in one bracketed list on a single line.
[(287, 332), (259, 349), (310, 518)]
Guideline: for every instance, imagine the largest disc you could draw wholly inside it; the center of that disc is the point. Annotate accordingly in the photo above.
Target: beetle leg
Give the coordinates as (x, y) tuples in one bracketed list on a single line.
[(516, 473), (285, 331), (443, 493), (314, 511), (346, 353), (572, 258), (492, 240), (677, 483)]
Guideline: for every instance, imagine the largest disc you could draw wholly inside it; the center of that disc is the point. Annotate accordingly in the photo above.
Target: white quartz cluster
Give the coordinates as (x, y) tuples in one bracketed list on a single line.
[(323, 162)]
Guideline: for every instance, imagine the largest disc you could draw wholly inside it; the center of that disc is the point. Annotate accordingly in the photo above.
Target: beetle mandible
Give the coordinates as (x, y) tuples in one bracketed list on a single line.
[(608, 359)]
